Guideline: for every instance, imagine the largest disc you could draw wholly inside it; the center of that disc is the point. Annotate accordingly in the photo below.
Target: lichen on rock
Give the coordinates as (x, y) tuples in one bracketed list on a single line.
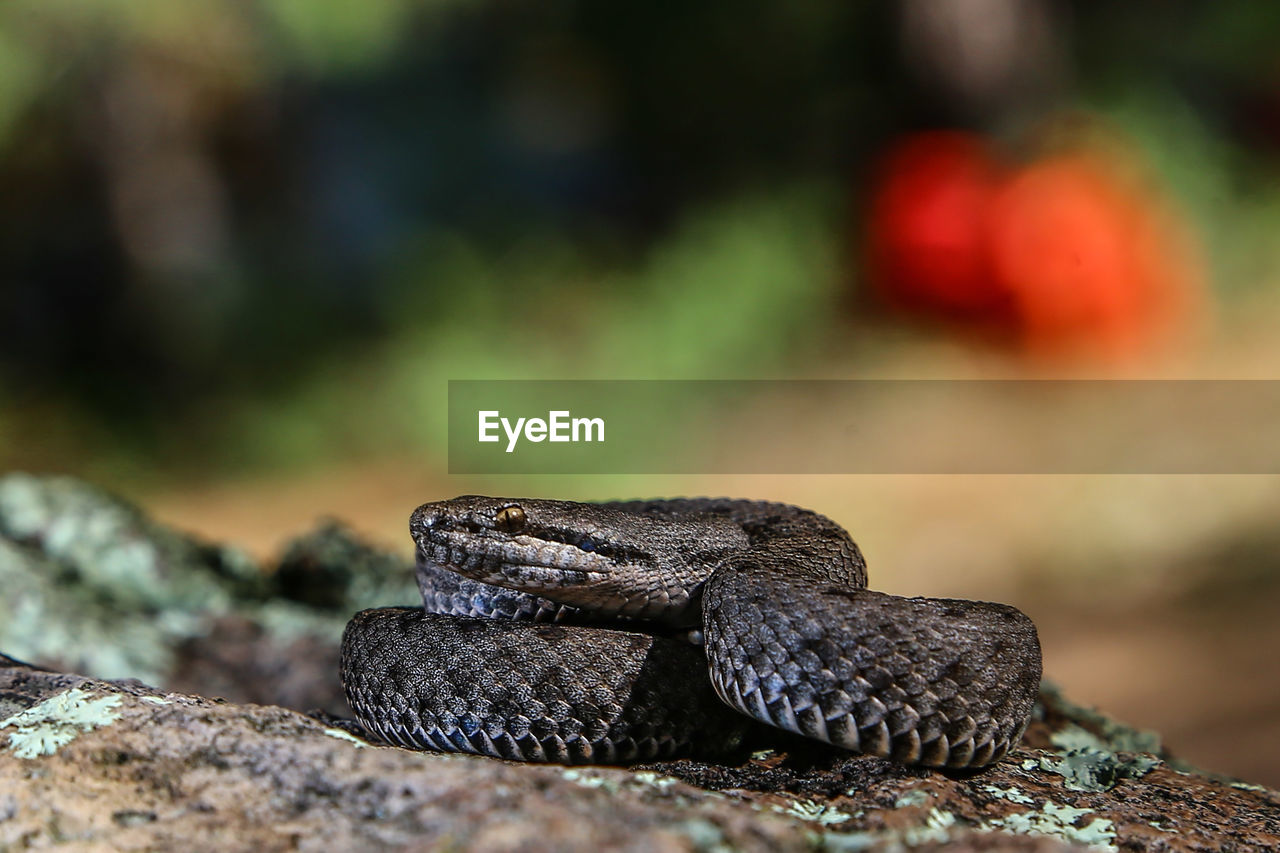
[(120, 765), (55, 722), (94, 586)]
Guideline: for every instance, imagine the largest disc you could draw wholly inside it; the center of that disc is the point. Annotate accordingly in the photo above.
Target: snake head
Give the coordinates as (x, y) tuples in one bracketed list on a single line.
[(606, 559)]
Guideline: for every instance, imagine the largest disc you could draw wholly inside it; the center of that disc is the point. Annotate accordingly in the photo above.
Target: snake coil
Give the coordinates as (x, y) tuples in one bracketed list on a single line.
[(559, 631)]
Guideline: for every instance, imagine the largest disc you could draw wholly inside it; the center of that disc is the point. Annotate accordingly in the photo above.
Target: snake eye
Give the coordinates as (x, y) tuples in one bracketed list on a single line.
[(510, 519)]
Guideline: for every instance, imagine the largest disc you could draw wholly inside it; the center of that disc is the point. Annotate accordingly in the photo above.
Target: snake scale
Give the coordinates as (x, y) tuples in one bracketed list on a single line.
[(629, 631)]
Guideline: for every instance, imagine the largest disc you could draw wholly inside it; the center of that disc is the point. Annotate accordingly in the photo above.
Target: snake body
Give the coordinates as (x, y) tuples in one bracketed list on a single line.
[(559, 631)]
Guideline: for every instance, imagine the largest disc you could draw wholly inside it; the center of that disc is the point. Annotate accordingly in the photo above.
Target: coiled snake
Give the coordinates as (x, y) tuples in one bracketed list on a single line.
[(512, 657)]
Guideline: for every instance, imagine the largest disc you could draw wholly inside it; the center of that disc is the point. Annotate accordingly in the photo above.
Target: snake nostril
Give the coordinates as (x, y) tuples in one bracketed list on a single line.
[(428, 518)]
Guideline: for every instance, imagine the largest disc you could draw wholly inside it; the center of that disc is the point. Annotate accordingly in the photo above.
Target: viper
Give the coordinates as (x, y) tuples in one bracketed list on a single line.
[(636, 630)]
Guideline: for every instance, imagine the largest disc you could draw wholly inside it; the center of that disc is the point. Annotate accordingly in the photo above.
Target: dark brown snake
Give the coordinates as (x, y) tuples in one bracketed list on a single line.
[(512, 657)]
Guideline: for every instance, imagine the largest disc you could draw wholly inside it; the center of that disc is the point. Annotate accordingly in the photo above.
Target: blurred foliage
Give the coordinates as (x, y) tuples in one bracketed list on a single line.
[(541, 309), (1229, 192), (266, 233)]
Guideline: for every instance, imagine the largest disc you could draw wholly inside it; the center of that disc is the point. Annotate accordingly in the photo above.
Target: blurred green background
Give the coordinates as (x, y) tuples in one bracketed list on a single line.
[(244, 245), (231, 230)]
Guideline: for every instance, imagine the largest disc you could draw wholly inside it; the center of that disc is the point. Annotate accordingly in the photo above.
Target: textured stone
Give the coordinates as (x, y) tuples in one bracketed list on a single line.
[(117, 765), (93, 585), (126, 767)]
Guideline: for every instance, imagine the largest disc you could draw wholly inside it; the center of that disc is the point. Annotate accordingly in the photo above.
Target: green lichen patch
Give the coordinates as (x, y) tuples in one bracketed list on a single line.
[(590, 780), (341, 735), (110, 547), (814, 812), (99, 588), (914, 797), (656, 780), (49, 725), (937, 828), (612, 783), (1013, 795), (1063, 822), (1087, 765), (1057, 821)]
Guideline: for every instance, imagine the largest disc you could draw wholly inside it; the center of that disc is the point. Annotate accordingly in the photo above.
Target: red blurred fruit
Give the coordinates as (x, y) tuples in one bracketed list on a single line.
[(1065, 253), (927, 249)]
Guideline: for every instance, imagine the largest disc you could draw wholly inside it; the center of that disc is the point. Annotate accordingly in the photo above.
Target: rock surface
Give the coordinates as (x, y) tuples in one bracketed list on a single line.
[(120, 766), (117, 765), (99, 588)]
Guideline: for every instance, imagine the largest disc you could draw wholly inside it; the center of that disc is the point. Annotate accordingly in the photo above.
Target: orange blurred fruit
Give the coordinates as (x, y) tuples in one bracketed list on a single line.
[(1088, 257)]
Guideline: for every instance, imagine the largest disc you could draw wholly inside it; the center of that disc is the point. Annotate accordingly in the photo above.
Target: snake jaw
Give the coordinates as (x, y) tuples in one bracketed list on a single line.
[(541, 580), (559, 571)]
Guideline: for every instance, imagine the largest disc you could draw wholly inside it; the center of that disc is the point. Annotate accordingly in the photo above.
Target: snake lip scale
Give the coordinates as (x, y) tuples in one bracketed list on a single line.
[(559, 631)]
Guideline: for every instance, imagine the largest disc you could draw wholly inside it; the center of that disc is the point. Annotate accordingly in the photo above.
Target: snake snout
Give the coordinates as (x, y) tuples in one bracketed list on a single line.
[(426, 518)]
